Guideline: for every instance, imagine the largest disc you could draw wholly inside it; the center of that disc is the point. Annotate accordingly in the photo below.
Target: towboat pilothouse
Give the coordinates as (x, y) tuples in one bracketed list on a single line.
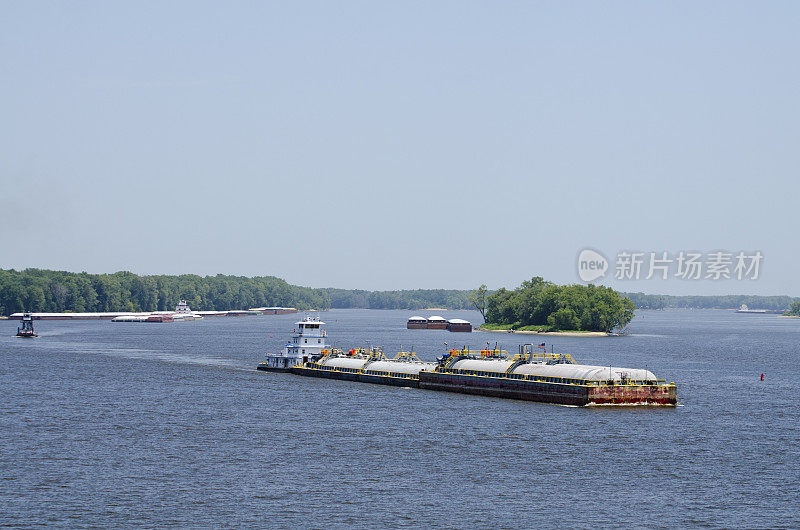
[(26, 331), (309, 342), (182, 312)]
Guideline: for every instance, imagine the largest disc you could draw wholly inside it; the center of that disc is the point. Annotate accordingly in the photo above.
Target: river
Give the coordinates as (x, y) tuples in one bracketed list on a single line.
[(120, 424)]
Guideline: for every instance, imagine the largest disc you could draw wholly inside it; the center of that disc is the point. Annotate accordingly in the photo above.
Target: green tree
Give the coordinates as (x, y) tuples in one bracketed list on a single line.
[(564, 319), (478, 299), (563, 307)]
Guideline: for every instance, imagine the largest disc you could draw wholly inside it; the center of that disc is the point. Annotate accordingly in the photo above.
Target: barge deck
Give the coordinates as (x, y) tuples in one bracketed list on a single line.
[(526, 377)]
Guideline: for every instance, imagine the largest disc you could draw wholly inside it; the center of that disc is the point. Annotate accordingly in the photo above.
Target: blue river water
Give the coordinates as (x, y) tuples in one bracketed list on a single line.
[(121, 424)]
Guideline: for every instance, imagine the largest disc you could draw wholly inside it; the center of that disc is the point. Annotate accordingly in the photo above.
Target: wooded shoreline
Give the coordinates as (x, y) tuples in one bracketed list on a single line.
[(40, 290)]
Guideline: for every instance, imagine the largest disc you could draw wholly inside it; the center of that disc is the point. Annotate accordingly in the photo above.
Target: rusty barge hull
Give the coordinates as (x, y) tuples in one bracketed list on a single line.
[(544, 392), (633, 395), (502, 387)]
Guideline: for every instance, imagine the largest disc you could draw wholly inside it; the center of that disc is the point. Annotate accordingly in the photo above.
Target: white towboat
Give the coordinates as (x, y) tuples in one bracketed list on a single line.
[(308, 342), (182, 312)]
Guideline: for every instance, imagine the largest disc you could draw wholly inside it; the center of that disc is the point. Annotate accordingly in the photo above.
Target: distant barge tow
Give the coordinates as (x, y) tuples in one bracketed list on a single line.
[(436, 322), (123, 316)]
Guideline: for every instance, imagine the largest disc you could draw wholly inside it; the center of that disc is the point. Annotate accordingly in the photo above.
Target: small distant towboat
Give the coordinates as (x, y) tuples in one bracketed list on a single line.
[(182, 312), (26, 331), (744, 309)]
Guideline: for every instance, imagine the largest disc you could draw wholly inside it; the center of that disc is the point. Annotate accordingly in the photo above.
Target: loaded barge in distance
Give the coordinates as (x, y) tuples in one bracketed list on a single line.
[(455, 324), (532, 374)]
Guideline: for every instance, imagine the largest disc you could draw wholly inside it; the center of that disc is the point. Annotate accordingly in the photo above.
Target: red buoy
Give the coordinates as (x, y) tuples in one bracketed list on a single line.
[(762, 377)]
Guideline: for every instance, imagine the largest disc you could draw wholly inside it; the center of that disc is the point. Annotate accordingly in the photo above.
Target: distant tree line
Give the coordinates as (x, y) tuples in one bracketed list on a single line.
[(538, 304), (733, 301), (40, 290), (408, 299), (57, 291), (50, 291)]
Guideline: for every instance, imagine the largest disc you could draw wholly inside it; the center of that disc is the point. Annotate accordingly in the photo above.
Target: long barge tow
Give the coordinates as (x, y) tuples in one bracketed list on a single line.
[(530, 375)]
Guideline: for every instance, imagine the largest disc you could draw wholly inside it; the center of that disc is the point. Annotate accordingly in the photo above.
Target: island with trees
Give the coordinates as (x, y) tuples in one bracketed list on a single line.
[(794, 310), (542, 306)]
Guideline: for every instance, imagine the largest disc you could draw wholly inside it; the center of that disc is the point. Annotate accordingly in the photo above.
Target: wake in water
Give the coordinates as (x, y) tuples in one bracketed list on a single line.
[(177, 358), (148, 355)]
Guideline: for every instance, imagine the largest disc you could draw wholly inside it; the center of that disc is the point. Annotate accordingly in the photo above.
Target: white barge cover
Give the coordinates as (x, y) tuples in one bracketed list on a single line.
[(583, 372), (399, 367), (345, 362)]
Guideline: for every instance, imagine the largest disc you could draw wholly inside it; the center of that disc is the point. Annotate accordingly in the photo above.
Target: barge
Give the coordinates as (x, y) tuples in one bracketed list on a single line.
[(545, 377), (436, 322), (417, 323), (459, 325), (367, 366), (532, 374)]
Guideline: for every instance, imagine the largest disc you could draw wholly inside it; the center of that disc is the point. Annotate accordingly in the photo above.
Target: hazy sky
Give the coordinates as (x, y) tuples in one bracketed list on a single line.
[(384, 145)]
